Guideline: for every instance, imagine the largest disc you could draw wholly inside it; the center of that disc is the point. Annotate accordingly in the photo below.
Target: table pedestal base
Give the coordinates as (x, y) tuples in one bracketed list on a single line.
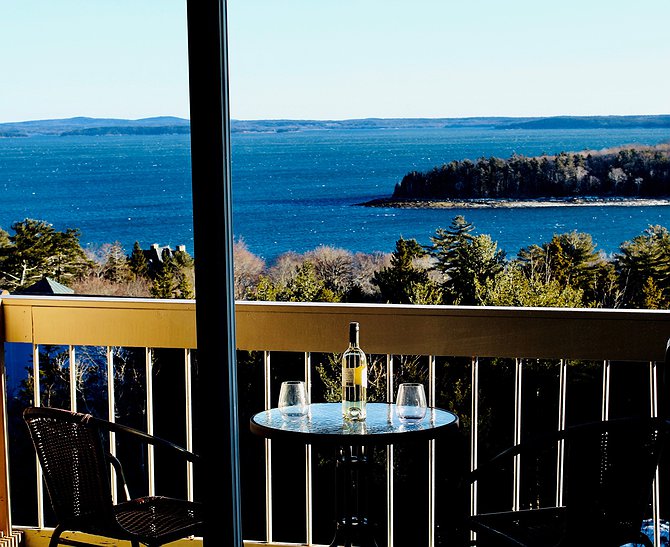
[(352, 472)]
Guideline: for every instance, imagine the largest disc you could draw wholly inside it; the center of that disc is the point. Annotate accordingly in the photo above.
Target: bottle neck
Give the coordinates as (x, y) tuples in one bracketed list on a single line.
[(354, 339)]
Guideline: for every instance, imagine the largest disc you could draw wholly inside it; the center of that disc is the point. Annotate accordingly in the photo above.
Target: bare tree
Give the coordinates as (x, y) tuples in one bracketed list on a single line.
[(334, 267), (363, 268), (285, 268), (99, 286), (247, 269)]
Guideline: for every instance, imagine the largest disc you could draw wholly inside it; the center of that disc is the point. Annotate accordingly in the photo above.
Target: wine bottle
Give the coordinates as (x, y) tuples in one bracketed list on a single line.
[(354, 378)]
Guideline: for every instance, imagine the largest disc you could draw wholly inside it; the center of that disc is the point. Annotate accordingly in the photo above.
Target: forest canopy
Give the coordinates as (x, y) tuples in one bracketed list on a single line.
[(627, 172)]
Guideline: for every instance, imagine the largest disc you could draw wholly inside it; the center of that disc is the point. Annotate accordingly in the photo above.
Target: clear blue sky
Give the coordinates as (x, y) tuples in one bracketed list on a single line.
[(336, 59)]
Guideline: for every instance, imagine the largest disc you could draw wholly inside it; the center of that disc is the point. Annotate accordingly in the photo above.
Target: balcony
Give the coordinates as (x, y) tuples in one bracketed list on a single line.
[(559, 342)]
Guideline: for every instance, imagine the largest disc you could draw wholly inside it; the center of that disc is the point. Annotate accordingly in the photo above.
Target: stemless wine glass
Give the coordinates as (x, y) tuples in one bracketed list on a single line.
[(293, 401), (411, 403)]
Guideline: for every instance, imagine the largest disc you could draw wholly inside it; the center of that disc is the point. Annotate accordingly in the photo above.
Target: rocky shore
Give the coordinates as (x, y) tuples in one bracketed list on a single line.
[(485, 203)]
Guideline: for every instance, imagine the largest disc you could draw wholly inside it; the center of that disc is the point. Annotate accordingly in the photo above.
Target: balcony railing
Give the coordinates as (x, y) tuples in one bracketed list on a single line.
[(557, 337)]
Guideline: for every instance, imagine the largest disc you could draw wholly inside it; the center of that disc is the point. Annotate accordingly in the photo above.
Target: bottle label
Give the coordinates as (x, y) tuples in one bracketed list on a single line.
[(361, 376), (357, 376)]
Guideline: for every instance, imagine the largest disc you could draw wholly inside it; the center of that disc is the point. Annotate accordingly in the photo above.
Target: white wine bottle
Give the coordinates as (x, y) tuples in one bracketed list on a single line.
[(354, 378)]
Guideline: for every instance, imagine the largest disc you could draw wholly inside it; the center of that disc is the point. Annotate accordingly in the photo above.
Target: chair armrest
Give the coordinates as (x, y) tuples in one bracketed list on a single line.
[(552, 438), (116, 464), (145, 437)]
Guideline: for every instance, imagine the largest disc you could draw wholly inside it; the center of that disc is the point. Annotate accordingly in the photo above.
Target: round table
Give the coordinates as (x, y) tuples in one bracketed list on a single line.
[(324, 425)]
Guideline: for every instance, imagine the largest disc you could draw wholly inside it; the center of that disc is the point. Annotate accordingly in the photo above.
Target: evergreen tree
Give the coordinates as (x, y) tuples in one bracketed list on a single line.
[(403, 282), (265, 290), (137, 262), (182, 259), (464, 260), (165, 282), (643, 264), (183, 270), (4, 239), (572, 260), (653, 295), (184, 287), (306, 286), (172, 276), (36, 250)]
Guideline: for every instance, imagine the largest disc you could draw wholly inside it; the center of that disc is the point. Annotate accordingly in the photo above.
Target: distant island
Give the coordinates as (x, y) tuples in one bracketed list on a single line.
[(161, 125), (174, 125), (491, 122), (622, 176)]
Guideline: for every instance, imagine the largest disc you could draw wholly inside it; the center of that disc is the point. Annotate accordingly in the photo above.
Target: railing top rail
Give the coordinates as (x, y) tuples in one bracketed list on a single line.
[(94, 301), (328, 307), (552, 333), (98, 321), (636, 335)]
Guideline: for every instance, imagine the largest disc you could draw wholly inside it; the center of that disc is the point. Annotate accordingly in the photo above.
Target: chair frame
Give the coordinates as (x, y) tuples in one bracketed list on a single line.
[(478, 524), (108, 525)]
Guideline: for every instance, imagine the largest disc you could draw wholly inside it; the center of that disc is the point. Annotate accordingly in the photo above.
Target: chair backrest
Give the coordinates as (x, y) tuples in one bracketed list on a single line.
[(76, 471), (609, 469)]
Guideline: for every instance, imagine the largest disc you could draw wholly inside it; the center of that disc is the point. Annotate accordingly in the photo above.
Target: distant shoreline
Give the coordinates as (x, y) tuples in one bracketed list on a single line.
[(82, 125), (485, 203)]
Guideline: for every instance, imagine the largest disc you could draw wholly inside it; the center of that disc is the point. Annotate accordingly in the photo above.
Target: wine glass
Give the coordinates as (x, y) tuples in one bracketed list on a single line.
[(293, 400), (411, 403)]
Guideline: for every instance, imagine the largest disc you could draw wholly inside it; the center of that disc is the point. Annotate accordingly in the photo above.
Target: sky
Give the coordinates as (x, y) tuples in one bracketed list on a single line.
[(340, 59)]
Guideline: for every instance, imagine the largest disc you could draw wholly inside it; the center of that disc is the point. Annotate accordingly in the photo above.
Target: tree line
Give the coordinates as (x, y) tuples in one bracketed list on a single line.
[(456, 267), (628, 172), (459, 267), (36, 250)]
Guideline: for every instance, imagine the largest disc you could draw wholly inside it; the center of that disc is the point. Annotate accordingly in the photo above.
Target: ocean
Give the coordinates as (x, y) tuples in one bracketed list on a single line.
[(294, 191)]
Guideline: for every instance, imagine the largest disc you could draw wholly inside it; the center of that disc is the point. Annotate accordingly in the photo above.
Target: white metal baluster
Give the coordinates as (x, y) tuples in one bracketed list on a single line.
[(188, 397), (148, 362), (390, 387), (605, 409), (73, 378), (389, 457), (431, 456), (37, 401), (111, 416), (474, 432), (518, 382), (656, 492), (308, 457), (268, 451), (560, 461)]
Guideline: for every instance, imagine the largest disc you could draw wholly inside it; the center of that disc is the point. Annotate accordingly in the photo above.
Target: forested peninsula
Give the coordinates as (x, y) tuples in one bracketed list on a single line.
[(613, 175)]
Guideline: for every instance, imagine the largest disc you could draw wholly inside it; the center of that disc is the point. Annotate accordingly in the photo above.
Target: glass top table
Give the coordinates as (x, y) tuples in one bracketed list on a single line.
[(324, 424)]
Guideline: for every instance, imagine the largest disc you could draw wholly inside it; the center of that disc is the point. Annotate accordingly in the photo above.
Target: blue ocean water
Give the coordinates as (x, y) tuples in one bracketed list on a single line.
[(294, 191)]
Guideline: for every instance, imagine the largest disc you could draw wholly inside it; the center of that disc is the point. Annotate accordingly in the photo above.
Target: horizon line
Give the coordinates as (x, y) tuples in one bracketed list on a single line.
[(291, 119)]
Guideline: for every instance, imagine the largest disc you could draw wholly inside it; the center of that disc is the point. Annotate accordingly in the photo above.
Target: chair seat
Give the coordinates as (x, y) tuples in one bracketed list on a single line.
[(158, 520), (532, 527)]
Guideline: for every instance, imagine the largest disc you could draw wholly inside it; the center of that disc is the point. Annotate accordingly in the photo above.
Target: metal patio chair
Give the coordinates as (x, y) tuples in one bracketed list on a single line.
[(76, 469), (608, 469)]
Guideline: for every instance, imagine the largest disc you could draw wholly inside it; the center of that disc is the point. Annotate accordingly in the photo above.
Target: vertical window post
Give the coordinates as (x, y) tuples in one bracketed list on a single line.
[(217, 419)]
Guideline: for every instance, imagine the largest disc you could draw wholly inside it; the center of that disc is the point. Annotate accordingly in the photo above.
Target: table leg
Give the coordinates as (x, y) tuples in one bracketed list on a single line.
[(352, 474)]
